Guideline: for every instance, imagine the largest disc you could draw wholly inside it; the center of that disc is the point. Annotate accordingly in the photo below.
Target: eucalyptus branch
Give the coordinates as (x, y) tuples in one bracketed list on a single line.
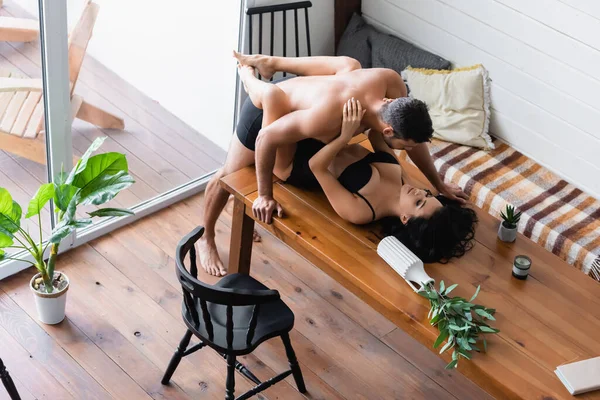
[(459, 321)]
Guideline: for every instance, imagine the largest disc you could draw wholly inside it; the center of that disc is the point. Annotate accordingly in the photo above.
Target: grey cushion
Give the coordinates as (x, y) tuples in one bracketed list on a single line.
[(391, 52), (355, 41)]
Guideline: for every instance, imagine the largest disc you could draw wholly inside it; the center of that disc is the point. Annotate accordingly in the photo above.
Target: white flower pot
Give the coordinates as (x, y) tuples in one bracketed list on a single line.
[(50, 306), (507, 234)]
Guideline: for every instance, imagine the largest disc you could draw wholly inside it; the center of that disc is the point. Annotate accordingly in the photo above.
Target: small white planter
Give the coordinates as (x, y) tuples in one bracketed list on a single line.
[(505, 234), (50, 306)]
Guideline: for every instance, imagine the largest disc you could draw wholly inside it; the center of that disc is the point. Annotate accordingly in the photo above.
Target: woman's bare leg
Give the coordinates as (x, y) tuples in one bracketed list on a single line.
[(267, 66), (275, 104)]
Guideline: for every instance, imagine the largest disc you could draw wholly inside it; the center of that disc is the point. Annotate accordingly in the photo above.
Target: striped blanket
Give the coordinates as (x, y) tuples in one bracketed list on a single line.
[(557, 215)]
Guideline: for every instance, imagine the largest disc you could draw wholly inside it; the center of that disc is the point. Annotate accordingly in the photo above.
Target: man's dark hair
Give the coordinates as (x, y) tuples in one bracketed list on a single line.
[(409, 118), (448, 233)]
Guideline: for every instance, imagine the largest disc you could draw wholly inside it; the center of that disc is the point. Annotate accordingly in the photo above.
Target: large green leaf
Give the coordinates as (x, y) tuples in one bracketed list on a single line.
[(64, 230), (83, 161), (110, 212), (99, 166), (105, 188), (63, 195), (5, 240), (10, 213), (42, 196)]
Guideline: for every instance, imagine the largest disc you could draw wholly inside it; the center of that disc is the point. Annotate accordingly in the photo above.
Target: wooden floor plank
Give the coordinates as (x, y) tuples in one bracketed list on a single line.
[(124, 318), (55, 359), (22, 365), (83, 351)]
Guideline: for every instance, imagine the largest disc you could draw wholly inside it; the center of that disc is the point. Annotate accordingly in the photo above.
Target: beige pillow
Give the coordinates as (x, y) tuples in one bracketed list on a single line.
[(458, 101)]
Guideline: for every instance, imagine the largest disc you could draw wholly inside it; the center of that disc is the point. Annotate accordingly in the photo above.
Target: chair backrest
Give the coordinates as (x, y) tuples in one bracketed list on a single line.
[(195, 292), (272, 9), (78, 40)]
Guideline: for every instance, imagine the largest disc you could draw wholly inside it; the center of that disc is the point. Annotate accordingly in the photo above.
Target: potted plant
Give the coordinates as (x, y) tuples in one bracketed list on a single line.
[(94, 180), (507, 231), (459, 321)]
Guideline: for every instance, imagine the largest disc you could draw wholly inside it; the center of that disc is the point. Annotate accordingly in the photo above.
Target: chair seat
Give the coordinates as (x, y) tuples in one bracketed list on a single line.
[(274, 319)]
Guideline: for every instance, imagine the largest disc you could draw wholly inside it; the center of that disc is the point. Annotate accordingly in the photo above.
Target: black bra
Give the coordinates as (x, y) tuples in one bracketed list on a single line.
[(358, 174)]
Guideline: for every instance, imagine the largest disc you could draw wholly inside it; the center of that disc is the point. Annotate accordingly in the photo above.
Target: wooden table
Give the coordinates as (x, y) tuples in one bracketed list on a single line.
[(549, 319)]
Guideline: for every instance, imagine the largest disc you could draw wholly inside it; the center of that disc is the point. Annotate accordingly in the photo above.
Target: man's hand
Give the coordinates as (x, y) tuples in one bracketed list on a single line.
[(454, 192), (263, 208)]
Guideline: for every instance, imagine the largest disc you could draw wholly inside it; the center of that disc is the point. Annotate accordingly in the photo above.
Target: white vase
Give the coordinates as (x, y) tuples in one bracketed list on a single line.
[(505, 234), (50, 306)]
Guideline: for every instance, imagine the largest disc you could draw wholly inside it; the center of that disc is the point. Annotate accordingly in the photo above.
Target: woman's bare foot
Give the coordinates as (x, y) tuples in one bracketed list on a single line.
[(261, 62), (209, 257)]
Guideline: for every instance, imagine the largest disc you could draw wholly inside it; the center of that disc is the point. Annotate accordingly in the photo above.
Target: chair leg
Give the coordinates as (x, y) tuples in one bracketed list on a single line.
[(8, 383), (230, 384), (185, 341), (294, 366)]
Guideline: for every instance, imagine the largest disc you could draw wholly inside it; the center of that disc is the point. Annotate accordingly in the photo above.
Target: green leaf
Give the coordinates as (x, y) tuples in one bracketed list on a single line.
[(443, 336), (10, 213), (63, 195), (487, 329), (423, 293), (484, 345), (5, 240), (476, 293), (42, 196), (447, 346), (98, 166), (111, 212), (450, 288), (442, 286), (62, 231), (105, 187), (464, 353), (83, 161), (485, 314), (452, 364)]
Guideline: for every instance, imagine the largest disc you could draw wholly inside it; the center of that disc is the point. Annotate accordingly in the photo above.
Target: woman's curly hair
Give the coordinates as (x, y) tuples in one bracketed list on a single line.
[(448, 233)]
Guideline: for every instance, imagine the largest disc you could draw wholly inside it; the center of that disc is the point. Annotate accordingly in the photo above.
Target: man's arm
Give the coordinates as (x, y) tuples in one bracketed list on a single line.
[(422, 159), (288, 129)]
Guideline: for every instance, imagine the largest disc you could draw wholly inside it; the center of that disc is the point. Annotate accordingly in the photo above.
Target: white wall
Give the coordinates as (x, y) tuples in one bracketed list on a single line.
[(544, 61)]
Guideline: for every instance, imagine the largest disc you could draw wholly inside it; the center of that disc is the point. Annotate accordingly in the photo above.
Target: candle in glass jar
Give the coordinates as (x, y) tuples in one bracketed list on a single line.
[(521, 267)]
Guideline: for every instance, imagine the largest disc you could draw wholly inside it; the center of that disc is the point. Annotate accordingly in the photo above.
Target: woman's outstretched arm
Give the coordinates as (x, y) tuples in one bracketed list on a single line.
[(346, 204)]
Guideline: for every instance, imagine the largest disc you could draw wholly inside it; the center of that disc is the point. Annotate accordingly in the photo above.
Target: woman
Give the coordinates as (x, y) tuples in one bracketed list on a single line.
[(364, 186)]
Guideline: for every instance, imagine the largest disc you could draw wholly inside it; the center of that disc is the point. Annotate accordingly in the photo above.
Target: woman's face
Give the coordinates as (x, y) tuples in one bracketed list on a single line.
[(415, 202)]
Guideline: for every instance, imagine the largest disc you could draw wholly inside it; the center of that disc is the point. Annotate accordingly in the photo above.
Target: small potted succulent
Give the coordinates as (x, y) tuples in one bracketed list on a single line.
[(507, 231), (94, 180)]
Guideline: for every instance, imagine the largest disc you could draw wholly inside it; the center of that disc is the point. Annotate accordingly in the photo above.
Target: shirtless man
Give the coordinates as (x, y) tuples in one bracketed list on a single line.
[(323, 85)]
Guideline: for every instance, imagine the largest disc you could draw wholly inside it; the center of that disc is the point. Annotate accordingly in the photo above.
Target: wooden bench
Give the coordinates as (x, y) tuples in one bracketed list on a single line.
[(547, 320)]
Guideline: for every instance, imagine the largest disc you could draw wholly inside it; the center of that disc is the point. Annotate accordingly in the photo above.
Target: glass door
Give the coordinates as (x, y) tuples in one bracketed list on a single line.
[(154, 79)]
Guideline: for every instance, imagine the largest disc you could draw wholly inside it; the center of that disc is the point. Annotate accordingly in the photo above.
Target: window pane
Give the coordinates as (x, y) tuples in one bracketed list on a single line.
[(22, 139)]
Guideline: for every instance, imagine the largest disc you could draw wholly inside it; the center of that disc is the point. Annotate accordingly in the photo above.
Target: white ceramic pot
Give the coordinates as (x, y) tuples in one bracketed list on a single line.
[(507, 234), (50, 306)]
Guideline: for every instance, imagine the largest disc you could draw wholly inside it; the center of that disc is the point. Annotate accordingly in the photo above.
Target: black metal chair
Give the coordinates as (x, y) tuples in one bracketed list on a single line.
[(233, 317), (272, 9), (8, 383)]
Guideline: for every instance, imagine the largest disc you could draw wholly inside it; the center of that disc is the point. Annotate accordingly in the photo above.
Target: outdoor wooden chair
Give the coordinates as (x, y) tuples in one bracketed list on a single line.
[(233, 317), (19, 29), (22, 105)]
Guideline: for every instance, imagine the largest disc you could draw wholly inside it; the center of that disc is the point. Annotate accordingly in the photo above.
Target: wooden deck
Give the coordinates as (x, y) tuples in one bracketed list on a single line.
[(163, 152), (123, 323)]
